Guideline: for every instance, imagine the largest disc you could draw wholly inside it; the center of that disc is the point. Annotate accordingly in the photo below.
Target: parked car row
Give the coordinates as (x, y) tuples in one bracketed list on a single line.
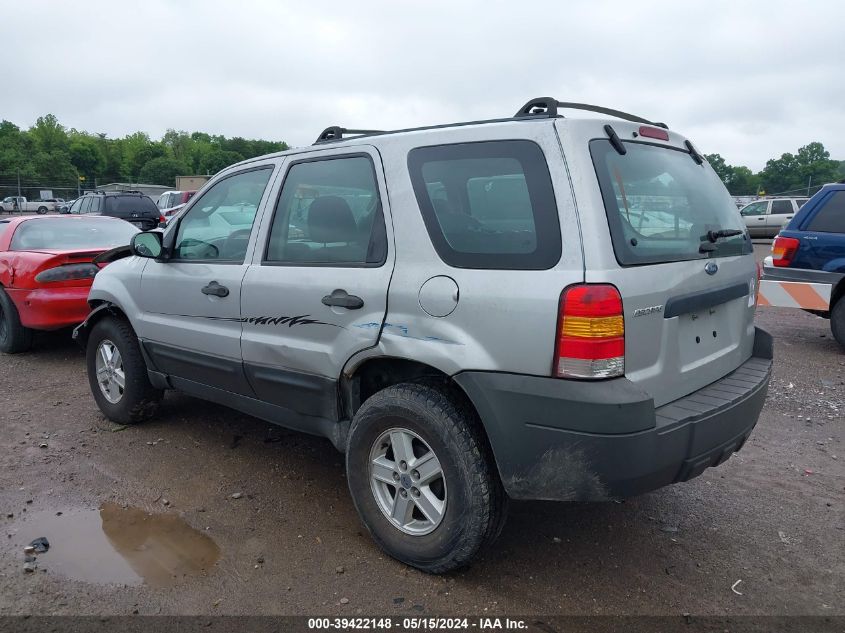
[(133, 206), (809, 255), (171, 203), (534, 307), (14, 204), (764, 218)]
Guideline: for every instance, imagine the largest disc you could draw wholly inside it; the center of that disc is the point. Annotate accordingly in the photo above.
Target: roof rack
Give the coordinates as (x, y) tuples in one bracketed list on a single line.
[(547, 107), (541, 107), (336, 133)]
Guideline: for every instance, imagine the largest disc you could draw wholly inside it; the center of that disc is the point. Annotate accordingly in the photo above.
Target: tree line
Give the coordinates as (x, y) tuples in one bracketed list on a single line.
[(791, 174), (48, 154)]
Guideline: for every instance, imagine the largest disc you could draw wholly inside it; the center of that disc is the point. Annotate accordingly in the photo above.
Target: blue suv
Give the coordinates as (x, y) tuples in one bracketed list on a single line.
[(812, 249)]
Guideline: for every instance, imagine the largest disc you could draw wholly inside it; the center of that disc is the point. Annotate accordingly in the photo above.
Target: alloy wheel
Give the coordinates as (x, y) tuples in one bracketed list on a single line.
[(407, 481)]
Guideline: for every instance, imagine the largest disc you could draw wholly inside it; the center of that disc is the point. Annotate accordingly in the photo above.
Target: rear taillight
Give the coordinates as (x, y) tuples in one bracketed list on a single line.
[(591, 333), (68, 272), (783, 250)]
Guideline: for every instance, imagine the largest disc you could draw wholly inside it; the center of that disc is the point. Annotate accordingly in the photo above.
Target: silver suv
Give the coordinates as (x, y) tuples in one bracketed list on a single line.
[(533, 307)]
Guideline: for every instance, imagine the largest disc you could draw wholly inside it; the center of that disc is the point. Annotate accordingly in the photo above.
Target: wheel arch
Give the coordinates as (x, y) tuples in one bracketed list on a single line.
[(369, 376), (100, 309)]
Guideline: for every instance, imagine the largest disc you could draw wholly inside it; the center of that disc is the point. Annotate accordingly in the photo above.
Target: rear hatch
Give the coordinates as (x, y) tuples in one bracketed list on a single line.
[(135, 209), (656, 223)]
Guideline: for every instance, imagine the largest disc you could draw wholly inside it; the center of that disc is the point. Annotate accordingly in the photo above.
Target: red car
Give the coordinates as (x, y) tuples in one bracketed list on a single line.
[(46, 270)]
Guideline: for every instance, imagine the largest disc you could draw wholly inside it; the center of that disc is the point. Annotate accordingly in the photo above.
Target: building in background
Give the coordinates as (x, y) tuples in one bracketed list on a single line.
[(153, 191), (190, 183)]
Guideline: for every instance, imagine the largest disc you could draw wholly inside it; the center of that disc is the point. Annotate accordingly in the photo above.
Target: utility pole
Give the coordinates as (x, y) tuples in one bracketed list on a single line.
[(20, 207), (809, 182)]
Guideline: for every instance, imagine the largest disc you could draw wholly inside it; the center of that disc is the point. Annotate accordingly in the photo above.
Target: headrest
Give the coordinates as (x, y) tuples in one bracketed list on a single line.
[(330, 220)]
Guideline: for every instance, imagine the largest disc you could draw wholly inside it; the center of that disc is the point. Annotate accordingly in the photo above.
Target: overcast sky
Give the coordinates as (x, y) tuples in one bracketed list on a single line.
[(749, 80)]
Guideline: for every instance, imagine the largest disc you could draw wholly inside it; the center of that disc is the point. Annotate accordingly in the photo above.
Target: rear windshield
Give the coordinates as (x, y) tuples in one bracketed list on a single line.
[(125, 206), (72, 233), (660, 205)]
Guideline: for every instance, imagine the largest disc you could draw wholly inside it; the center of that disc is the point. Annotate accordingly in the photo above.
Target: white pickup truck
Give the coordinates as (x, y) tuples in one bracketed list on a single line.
[(19, 203)]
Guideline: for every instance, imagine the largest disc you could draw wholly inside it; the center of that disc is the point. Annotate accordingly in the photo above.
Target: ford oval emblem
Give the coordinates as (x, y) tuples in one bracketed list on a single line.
[(711, 268)]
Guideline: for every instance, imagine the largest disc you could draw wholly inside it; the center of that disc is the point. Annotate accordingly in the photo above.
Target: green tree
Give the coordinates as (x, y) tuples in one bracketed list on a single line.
[(218, 159), (49, 135), (162, 171), (86, 156)]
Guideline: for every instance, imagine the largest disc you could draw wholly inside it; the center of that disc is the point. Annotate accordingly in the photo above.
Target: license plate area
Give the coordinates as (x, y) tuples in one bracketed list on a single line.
[(703, 333)]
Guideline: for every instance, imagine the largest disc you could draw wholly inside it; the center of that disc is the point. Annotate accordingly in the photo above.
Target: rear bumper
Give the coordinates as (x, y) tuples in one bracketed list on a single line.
[(51, 309), (568, 440)]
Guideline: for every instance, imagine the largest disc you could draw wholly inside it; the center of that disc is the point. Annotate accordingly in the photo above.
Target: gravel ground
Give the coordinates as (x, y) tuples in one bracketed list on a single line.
[(204, 484)]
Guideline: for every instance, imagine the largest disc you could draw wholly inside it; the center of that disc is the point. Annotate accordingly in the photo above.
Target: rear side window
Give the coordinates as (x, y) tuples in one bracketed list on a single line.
[(329, 213), (661, 204), (488, 205), (831, 217), (781, 207), (125, 206)]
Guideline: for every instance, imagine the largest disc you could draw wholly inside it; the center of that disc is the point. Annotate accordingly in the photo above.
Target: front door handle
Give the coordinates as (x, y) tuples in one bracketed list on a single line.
[(216, 290), (342, 299)]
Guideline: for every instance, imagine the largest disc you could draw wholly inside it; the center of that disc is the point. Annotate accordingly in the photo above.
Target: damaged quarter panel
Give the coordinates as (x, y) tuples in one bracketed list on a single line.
[(504, 319)]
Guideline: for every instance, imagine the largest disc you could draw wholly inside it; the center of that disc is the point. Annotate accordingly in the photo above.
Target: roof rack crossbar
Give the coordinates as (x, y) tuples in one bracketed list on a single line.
[(548, 107), (336, 133)]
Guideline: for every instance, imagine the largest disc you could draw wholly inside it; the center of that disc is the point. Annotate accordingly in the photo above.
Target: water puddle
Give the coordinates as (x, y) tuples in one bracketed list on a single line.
[(118, 545)]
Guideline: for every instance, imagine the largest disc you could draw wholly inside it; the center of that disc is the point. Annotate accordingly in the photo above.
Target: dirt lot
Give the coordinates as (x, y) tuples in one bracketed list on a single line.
[(289, 541)]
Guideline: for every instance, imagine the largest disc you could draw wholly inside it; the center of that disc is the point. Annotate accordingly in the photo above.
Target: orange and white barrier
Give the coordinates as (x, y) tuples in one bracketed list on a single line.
[(794, 294)]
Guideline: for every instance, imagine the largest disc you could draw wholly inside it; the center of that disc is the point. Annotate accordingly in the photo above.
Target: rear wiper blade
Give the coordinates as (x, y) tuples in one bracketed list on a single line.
[(714, 236)]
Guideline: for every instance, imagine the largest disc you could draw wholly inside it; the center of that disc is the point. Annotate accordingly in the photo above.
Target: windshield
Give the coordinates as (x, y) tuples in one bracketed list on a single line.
[(68, 234), (661, 205)]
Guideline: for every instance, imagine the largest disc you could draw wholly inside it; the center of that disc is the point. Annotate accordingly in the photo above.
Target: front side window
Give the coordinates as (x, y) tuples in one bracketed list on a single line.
[(756, 208), (781, 207), (329, 212), (95, 205), (218, 225), (488, 205), (661, 204), (801, 202), (86, 205), (831, 217)]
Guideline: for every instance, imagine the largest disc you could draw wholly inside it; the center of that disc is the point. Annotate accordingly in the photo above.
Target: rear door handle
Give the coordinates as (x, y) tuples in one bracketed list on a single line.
[(342, 299), (216, 290)]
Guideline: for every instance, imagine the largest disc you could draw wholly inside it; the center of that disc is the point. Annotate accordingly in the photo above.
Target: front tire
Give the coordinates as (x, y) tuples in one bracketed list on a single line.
[(422, 477), (14, 337), (837, 321), (117, 373)]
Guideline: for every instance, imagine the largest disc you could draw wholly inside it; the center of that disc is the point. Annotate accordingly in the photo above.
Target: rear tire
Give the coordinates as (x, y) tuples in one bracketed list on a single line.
[(42, 210), (117, 373), (837, 321), (466, 497), (14, 337)]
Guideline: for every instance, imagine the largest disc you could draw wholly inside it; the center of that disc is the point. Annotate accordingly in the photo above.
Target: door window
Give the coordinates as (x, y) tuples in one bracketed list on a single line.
[(831, 217), (95, 205), (74, 208), (782, 207), (86, 205), (218, 225), (756, 208), (329, 212)]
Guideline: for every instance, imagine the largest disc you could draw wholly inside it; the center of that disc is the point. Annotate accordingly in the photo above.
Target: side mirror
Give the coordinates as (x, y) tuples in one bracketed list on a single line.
[(146, 244)]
